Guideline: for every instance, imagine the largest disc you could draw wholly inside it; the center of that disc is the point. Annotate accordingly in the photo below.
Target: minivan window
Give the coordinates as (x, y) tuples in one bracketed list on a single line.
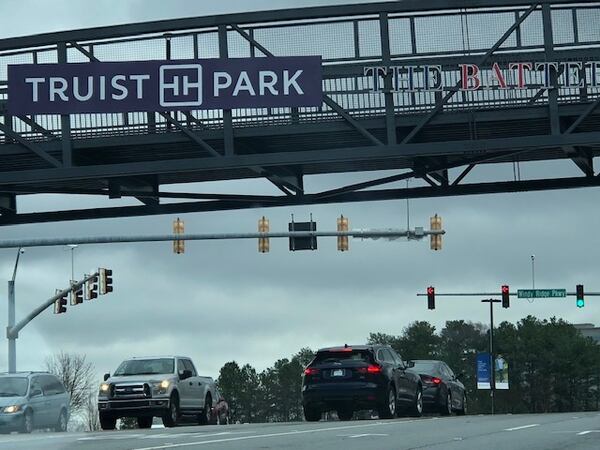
[(13, 386), (51, 385), (145, 367)]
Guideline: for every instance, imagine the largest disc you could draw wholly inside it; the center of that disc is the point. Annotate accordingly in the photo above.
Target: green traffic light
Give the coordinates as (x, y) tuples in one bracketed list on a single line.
[(580, 303)]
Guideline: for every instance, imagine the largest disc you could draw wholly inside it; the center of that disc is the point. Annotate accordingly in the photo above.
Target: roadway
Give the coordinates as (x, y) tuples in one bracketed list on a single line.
[(576, 431)]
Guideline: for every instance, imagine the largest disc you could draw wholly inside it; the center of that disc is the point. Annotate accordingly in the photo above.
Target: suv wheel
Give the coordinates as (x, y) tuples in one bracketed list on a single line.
[(107, 422), (345, 414), (145, 422), (312, 414), (172, 414), (416, 409), (61, 425), (27, 426), (387, 410)]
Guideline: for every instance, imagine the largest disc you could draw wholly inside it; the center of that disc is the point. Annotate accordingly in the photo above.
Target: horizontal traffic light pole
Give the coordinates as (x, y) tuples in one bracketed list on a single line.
[(417, 233), (13, 332), (490, 294)]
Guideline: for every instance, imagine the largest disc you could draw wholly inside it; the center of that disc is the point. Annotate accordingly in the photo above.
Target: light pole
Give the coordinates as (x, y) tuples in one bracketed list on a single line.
[(492, 359), (533, 271), (12, 341)]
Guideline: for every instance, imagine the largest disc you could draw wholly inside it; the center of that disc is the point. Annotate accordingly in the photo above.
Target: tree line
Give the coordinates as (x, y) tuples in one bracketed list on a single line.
[(552, 368)]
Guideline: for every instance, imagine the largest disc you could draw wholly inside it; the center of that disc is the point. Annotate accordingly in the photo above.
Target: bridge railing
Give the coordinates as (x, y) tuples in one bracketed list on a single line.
[(347, 43)]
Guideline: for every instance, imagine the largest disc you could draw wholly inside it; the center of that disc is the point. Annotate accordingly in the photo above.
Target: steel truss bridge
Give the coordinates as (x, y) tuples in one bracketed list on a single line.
[(438, 138)]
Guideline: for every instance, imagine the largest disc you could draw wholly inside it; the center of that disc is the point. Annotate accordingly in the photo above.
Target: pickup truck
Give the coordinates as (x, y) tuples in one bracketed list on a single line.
[(167, 387)]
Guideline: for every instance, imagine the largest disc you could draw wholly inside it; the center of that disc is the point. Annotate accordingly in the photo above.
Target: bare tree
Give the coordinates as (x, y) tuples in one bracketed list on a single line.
[(77, 374), (90, 413)]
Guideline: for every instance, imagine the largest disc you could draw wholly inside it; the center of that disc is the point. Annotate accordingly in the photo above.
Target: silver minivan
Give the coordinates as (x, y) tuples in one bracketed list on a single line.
[(30, 400)]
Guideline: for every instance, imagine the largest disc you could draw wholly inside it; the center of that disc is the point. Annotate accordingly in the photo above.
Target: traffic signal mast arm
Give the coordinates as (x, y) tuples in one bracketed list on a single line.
[(13, 332), (417, 233), (497, 294)]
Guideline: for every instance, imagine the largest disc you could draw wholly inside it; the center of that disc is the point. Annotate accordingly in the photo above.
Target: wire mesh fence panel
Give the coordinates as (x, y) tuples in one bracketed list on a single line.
[(400, 37), (369, 38), (182, 47), (587, 25)]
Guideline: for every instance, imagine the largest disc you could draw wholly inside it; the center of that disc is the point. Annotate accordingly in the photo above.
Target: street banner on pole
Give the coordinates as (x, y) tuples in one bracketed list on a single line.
[(484, 371), (501, 373)]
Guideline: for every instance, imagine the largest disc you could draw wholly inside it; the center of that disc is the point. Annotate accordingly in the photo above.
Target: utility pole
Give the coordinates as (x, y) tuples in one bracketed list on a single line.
[(492, 358), (12, 342)]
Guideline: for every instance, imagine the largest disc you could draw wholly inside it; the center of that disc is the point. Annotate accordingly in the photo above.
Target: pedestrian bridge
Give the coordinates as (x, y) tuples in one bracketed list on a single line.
[(427, 90)]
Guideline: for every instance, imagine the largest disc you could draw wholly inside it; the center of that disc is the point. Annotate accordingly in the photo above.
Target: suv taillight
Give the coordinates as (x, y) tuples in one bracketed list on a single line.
[(374, 369), (311, 371)]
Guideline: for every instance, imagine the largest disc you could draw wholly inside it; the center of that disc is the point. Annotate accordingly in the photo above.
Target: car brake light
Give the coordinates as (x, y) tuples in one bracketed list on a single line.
[(430, 380), (311, 371), (374, 369)]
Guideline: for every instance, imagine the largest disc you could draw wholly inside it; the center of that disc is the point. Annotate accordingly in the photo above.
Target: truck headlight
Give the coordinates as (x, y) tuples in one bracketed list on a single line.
[(104, 388), (12, 409), (161, 387)]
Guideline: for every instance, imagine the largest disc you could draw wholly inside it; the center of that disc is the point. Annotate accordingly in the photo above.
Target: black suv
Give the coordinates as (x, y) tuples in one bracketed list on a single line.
[(347, 379)]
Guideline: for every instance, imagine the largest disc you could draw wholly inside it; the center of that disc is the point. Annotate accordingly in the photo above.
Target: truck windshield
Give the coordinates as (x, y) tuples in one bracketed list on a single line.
[(145, 367), (13, 386)]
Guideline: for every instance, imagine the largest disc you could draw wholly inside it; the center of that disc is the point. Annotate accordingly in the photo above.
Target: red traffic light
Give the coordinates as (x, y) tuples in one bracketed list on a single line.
[(505, 296), (430, 297)]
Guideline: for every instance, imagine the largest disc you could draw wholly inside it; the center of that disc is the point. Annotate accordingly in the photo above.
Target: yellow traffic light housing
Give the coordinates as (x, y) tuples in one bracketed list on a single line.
[(178, 229), (263, 242), (436, 239), (342, 241)]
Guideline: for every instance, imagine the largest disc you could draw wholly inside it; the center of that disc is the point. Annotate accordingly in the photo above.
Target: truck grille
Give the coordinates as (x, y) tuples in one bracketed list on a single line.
[(132, 391)]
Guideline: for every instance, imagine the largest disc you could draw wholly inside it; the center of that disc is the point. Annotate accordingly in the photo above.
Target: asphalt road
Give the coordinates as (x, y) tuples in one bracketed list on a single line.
[(511, 432)]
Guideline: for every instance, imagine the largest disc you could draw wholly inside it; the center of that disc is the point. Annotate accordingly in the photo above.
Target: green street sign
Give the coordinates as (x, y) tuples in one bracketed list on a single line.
[(541, 293)]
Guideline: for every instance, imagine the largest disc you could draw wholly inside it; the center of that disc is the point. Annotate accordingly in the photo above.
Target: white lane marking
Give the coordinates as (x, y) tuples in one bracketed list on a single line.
[(179, 435), (523, 427), (242, 438), (367, 434), (583, 433)]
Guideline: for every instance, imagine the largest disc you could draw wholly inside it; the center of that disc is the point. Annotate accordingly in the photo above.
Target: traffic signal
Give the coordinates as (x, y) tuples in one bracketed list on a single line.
[(178, 228), (76, 296), (430, 297), (60, 304), (105, 281), (91, 289), (580, 299), (505, 296), (342, 241), (435, 224), (263, 242)]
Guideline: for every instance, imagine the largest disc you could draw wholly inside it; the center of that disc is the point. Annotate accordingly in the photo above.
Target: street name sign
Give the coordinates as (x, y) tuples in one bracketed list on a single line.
[(541, 293)]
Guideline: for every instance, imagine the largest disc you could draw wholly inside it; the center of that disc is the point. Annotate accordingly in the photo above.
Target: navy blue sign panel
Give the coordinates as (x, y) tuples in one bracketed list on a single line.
[(165, 85)]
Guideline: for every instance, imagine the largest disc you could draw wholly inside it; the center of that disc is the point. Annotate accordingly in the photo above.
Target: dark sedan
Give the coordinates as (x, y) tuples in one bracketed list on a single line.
[(442, 390), (348, 379)]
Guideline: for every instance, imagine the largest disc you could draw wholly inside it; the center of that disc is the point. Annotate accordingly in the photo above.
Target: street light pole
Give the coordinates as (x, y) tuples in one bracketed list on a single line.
[(12, 341)]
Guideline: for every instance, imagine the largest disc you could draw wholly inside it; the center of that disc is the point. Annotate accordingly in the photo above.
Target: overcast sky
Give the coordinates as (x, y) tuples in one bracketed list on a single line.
[(223, 301)]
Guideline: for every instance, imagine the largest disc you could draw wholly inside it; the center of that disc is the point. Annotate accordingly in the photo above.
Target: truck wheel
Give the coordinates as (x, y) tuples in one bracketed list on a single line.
[(170, 417), (206, 417), (145, 422), (107, 422)]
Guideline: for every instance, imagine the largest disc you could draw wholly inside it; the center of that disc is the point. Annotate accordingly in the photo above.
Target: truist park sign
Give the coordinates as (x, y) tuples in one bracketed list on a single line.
[(165, 85), (518, 75)]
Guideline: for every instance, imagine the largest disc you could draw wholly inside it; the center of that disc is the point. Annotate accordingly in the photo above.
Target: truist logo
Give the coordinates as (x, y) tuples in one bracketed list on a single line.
[(180, 85), (165, 85)]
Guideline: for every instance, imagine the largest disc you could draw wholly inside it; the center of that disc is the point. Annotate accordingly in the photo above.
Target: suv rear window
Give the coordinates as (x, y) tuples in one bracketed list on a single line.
[(333, 355)]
